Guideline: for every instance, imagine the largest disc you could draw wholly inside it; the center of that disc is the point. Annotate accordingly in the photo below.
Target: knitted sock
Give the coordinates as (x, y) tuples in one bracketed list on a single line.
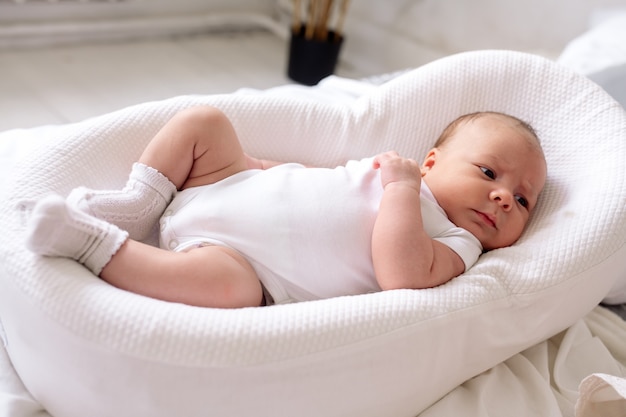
[(136, 208), (57, 229)]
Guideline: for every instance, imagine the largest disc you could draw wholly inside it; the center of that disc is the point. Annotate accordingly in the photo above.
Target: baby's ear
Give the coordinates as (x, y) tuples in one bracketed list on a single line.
[(429, 161)]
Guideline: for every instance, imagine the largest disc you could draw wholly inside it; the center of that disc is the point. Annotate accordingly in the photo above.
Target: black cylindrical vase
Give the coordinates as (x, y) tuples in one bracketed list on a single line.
[(310, 60)]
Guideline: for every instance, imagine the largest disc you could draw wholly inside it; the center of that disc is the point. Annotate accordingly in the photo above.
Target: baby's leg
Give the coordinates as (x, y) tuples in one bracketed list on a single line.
[(210, 276), (197, 146)]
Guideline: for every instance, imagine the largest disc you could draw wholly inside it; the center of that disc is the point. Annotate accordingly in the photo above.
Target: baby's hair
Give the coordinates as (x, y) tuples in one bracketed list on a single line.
[(466, 118)]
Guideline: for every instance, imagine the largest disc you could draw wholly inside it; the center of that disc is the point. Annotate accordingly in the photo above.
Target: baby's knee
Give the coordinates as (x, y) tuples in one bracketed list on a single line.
[(201, 116)]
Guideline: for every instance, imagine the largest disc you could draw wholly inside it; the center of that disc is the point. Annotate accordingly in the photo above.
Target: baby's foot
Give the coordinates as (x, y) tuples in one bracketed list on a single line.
[(136, 208), (56, 229)]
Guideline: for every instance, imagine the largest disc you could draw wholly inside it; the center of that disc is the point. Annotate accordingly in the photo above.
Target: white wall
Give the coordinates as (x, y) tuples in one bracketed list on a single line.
[(381, 36), (41, 23), (34, 11), (401, 33)]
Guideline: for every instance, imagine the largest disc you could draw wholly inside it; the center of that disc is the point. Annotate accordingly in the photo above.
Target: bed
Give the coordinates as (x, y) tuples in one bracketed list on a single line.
[(486, 344)]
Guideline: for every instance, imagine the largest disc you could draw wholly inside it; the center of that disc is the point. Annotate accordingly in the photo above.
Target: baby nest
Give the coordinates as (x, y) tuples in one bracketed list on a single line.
[(85, 348)]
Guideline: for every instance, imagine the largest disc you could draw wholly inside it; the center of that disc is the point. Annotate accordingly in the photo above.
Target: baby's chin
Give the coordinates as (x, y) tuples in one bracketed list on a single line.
[(489, 246)]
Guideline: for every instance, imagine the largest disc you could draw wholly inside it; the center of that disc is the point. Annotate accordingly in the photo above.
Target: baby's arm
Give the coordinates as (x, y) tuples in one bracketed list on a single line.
[(404, 255)]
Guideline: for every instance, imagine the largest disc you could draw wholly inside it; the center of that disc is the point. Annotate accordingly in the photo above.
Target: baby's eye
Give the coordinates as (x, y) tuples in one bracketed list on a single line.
[(488, 173), (522, 201)]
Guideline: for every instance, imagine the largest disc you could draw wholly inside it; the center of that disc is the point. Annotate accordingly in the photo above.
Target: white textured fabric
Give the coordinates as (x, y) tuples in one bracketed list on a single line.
[(602, 395), (539, 381), (84, 348)]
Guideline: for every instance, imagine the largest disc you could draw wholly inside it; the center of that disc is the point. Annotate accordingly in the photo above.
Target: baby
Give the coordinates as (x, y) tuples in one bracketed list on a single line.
[(237, 231)]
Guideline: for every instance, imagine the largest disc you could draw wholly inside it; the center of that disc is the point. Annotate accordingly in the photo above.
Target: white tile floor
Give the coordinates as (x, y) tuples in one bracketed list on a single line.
[(71, 83)]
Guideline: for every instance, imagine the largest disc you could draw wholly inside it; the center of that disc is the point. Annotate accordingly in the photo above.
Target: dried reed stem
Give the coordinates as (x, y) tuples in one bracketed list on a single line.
[(296, 24), (317, 16)]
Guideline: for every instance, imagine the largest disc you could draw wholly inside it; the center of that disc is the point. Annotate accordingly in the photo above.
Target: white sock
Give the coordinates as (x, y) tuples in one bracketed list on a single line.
[(57, 229), (136, 208)]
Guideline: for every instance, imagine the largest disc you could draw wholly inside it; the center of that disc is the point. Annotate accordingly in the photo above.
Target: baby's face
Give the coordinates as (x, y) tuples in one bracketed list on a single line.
[(487, 178)]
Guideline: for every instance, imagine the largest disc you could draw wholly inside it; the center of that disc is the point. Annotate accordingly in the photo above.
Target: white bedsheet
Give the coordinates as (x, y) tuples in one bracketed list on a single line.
[(543, 380)]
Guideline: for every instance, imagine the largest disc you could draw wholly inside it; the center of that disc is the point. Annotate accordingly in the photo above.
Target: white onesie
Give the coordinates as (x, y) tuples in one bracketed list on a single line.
[(306, 231)]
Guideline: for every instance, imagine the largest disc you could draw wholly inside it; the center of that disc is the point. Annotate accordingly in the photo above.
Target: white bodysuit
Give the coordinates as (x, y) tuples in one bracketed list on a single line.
[(306, 231)]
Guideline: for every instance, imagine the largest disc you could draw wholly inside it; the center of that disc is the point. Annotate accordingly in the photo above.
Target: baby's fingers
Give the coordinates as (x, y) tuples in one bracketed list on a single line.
[(382, 158)]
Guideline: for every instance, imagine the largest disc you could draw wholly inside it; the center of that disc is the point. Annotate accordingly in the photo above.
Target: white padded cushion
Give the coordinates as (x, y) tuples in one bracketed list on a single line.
[(600, 47), (83, 347)]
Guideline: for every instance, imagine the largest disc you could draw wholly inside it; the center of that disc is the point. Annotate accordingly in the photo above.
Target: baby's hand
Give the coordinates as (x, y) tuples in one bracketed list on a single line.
[(398, 170)]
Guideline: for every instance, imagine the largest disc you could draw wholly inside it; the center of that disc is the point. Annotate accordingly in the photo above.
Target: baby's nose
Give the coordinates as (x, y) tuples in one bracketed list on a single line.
[(503, 198)]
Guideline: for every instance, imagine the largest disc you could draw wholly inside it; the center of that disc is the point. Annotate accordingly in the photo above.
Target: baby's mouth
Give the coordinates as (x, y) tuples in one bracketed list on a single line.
[(488, 219)]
